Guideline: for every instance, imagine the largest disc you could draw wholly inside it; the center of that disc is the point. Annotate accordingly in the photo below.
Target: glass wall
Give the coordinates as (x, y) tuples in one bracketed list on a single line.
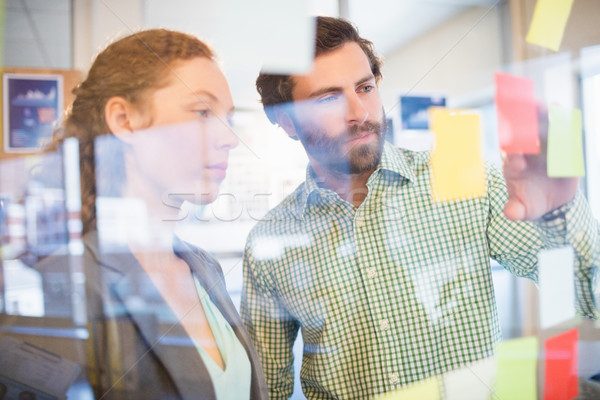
[(396, 297)]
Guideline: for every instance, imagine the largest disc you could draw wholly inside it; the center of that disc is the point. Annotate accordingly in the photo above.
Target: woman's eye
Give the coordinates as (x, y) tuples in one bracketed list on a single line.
[(201, 113)]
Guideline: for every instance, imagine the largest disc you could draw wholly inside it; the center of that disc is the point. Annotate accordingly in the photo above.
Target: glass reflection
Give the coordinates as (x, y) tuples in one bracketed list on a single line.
[(144, 186), (158, 322)]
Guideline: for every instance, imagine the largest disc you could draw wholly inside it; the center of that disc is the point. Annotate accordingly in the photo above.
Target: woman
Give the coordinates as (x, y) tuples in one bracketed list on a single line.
[(152, 120)]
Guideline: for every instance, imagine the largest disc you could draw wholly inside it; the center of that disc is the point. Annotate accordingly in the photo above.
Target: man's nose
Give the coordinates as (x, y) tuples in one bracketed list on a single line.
[(356, 112)]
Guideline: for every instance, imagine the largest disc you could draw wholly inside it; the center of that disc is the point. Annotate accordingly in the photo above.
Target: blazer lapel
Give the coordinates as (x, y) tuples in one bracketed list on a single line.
[(209, 273), (188, 373)]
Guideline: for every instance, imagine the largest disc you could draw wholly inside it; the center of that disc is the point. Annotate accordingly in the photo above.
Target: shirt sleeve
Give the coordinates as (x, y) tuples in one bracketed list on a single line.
[(272, 329), (516, 244)]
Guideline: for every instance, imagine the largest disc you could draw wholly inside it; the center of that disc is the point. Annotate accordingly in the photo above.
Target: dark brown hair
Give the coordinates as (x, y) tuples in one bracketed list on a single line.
[(132, 68), (332, 33)]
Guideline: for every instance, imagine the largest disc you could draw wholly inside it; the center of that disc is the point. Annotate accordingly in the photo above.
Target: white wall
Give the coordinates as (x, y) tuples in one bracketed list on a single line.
[(456, 59), (96, 23)]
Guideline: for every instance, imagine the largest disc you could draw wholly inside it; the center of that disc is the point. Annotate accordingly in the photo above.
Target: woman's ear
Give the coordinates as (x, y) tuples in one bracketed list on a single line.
[(120, 116)]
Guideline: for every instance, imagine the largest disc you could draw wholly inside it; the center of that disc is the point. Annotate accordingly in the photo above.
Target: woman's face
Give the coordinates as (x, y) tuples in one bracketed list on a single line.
[(185, 150)]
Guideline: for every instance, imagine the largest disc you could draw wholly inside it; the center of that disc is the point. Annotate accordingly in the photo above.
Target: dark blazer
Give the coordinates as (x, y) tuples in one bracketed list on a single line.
[(133, 355)]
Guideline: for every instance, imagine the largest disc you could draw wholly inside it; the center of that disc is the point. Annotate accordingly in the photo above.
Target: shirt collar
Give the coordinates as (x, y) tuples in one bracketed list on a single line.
[(397, 161)]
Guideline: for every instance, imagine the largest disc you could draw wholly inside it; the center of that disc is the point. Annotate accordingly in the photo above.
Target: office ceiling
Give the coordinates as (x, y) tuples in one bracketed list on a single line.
[(392, 23), (35, 31)]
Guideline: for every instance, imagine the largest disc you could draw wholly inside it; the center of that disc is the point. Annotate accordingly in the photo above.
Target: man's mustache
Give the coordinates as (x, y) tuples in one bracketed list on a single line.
[(358, 130)]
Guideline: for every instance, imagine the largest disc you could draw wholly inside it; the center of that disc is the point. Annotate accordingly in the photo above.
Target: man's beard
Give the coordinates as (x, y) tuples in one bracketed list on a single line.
[(330, 154)]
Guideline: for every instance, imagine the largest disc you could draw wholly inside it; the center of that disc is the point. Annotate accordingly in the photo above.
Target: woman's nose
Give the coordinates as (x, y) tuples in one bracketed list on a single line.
[(224, 135)]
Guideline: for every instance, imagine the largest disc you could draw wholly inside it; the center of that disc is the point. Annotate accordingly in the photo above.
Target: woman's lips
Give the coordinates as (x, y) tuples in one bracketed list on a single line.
[(220, 170)]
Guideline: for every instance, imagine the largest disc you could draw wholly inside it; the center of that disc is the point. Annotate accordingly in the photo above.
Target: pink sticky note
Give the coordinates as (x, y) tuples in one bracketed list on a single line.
[(517, 114), (561, 366)]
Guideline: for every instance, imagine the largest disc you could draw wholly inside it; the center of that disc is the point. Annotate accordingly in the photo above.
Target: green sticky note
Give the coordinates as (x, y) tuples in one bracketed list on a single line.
[(516, 376), (548, 23), (565, 147)]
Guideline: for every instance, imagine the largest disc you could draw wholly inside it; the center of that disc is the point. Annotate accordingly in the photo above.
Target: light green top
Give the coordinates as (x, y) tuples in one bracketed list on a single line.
[(397, 290), (233, 383)]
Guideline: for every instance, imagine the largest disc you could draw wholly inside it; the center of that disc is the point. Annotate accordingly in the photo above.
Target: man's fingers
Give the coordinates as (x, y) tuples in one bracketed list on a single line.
[(515, 210), (514, 163)]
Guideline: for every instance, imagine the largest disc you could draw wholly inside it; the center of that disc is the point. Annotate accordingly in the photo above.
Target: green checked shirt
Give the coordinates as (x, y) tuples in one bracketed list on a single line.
[(397, 290)]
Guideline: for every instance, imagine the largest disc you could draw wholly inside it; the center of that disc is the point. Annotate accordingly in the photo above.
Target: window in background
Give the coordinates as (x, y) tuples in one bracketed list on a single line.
[(590, 83)]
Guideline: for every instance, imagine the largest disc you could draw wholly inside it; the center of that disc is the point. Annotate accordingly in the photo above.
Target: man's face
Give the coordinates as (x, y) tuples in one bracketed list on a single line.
[(337, 112)]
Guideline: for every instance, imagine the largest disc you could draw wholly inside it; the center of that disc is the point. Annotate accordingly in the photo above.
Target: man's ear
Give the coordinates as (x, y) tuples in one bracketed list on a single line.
[(287, 123), (120, 116)]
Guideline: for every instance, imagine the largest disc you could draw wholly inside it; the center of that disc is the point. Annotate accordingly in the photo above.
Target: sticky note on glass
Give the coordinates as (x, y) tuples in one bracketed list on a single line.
[(559, 85), (517, 114), (565, 147), (548, 23), (456, 159), (556, 286), (561, 372), (425, 389), (280, 37), (517, 369), (472, 382)]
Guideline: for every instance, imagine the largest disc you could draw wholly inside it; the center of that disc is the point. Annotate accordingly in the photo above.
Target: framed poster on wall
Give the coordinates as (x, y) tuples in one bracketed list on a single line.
[(414, 110), (32, 105)]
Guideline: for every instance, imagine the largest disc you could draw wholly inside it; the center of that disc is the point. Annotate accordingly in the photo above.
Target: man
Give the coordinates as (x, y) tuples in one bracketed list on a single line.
[(388, 287)]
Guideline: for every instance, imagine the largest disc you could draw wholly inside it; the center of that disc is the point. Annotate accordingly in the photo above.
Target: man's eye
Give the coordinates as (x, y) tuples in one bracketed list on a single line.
[(367, 88), (329, 99), (201, 113)]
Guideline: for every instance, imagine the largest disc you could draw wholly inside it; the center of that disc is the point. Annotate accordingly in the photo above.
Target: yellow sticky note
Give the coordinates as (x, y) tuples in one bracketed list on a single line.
[(428, 389), (517, 369), (548, 23), (565, 147), (456, 160)]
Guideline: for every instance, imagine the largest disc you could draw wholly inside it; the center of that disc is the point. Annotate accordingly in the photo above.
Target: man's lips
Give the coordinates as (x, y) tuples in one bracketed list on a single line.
[(362, 137)]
